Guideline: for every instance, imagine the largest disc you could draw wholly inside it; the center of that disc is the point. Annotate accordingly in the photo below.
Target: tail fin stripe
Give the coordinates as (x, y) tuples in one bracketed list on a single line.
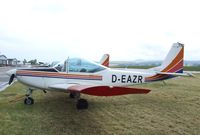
[(176, 60), (175, 70), (177, 66), (106, 62), (173, 63), (178, 71)]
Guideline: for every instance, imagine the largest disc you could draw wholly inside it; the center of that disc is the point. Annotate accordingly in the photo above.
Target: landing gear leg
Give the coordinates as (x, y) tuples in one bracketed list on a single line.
[(29, 100), (81, 103)]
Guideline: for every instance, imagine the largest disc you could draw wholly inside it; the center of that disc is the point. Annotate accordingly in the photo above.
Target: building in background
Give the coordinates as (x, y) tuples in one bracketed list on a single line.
[(3, 60), (12, 62)]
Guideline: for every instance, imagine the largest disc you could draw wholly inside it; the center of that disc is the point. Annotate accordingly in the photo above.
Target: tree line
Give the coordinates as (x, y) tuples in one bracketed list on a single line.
[(32, 62)]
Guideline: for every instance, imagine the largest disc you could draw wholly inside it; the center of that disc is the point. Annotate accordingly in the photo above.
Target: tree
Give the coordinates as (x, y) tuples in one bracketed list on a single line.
[(33, 62), (25, 61)]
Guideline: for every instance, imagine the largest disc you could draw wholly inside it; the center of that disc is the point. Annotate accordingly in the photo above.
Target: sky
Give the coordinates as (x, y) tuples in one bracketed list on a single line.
[(50, 30)]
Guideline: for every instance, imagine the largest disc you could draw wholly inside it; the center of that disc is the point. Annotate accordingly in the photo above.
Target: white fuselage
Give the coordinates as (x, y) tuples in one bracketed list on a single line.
[(108, 77)]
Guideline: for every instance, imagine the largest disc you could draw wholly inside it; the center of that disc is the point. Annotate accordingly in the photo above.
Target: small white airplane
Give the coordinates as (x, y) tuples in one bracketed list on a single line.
[(78, 76)]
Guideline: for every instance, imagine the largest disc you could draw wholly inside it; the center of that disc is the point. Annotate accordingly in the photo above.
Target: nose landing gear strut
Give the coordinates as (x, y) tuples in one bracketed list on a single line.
[(29, 100)]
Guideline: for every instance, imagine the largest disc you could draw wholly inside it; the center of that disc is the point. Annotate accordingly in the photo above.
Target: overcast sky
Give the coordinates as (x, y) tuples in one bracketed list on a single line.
[(126, 29)]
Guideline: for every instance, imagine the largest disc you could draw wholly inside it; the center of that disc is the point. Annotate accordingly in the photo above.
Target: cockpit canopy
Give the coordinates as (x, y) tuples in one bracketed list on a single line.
[(78, 65)]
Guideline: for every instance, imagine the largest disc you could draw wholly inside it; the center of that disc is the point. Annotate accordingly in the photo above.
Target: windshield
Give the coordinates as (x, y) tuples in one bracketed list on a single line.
[(78, 65)]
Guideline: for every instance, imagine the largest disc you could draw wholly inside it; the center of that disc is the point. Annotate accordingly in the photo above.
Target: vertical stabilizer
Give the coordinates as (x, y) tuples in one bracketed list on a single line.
[(105, 60), (173, 62)]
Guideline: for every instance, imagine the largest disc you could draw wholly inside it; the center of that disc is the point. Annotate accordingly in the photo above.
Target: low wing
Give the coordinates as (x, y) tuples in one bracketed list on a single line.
[(175, 74), (61, 86), (99, 90)]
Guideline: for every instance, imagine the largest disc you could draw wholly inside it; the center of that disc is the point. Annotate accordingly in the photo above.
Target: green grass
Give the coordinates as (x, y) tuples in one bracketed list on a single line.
[(192, 68), (186, 68), (170, 109), (136, 67)]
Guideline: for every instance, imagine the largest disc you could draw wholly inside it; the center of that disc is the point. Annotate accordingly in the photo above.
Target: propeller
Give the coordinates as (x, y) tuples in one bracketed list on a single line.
[(11, 79), (12, 74)]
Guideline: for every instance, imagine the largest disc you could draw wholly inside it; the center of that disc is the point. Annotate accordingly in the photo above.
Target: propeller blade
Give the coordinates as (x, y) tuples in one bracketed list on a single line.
[(11, 79)]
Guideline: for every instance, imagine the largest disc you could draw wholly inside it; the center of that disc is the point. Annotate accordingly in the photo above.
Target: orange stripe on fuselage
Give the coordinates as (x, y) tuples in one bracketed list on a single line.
[(57, 74)]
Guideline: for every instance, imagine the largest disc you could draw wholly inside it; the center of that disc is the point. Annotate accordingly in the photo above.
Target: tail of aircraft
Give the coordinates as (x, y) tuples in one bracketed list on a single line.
[(173, 62), (172, 66), (105, 60)]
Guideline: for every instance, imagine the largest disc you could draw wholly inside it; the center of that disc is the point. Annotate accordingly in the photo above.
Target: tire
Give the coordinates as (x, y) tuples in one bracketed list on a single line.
[(82, 104), (72, 95), (28, 101)]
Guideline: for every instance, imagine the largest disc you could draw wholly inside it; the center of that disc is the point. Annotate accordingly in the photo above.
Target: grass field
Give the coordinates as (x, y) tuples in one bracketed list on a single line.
[(192, 68), (170, 109)]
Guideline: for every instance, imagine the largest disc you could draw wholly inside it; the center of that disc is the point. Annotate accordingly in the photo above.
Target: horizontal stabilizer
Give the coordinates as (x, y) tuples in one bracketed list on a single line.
[(175, 74)]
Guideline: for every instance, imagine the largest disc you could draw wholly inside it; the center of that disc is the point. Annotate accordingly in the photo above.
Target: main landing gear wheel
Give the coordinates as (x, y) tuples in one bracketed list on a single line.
[(72, 95), (82, 104), (28, 101)]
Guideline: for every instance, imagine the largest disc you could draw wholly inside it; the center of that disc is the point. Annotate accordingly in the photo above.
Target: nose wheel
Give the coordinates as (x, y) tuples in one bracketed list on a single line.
[(29, 100)]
